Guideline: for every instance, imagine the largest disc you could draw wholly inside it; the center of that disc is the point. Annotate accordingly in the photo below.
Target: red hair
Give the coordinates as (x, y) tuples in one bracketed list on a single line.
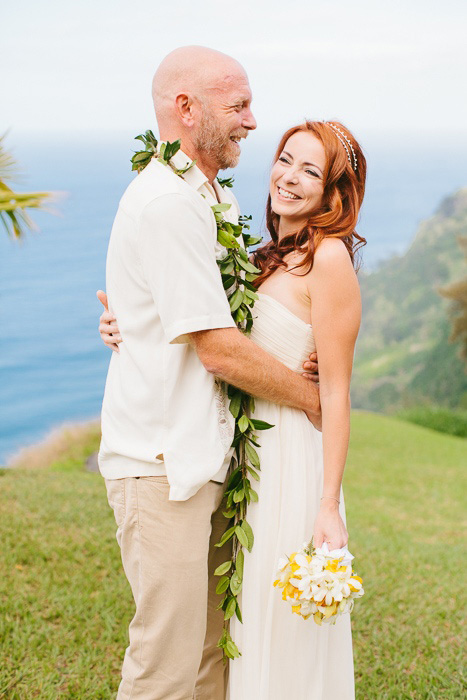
[(337, 215)]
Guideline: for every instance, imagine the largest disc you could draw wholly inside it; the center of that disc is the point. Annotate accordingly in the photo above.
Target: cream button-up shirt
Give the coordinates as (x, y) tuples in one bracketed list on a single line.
[(162, 410)]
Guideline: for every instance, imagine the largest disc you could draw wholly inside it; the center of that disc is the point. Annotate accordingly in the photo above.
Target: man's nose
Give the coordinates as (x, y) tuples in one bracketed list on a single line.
[(249, 122)]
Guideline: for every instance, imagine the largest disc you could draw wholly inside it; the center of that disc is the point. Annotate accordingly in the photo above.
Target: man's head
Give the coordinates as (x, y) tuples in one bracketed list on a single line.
[(203, 97)]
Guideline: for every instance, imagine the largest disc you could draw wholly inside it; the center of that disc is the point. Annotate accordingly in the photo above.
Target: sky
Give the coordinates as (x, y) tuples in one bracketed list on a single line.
[(374, 65)]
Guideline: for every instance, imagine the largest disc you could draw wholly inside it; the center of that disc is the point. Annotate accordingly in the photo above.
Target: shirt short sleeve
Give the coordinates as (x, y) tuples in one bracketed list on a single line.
[(178, 258)]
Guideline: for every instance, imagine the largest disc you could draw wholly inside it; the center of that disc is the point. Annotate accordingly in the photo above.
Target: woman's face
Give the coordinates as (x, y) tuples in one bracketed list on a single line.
[(296, 184)]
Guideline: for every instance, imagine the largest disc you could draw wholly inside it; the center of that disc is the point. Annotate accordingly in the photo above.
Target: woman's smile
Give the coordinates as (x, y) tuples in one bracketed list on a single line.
[(286, 194)]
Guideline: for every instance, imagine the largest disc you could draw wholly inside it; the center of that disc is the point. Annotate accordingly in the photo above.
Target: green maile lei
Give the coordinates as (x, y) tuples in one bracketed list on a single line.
[(238, 275)]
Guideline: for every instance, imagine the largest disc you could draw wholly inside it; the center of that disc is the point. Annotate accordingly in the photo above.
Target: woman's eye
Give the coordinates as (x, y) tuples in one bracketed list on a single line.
[(284, 160), (312, 172)]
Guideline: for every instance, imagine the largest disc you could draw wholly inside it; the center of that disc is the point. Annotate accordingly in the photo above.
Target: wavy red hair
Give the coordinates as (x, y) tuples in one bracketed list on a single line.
[(337, 215)]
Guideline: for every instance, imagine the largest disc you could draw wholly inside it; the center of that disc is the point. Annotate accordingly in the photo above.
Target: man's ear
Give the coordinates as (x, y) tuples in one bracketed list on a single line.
[(184, 108)]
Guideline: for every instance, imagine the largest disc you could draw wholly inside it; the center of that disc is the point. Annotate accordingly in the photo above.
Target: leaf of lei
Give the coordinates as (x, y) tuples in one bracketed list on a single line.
[(238, 276), (225, 181)]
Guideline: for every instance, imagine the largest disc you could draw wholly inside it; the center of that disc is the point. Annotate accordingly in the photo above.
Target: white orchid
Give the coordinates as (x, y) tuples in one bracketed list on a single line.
[(319, 583)]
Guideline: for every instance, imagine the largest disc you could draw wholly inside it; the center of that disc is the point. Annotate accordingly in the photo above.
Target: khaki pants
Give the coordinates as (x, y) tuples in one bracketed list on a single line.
[(168, 555)]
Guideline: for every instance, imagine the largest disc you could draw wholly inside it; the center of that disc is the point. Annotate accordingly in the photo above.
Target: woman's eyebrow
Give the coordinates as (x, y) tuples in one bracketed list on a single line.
[(312, 164)]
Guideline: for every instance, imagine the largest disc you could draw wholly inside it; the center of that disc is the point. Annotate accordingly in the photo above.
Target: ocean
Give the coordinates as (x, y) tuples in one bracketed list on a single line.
[(52, 362)]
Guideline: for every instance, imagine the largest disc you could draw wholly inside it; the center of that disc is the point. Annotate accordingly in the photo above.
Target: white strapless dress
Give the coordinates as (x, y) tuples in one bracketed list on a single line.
[(284, 656)]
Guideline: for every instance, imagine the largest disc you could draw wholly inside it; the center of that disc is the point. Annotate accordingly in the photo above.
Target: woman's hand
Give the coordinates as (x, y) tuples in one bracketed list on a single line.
[(108, 327), (329, 526)]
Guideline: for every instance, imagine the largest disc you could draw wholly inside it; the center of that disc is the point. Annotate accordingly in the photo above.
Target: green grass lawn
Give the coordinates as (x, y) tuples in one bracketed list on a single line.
[(66, 605)]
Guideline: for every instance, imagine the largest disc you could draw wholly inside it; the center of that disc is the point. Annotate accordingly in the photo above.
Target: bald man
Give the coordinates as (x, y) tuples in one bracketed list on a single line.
[(166, 427)]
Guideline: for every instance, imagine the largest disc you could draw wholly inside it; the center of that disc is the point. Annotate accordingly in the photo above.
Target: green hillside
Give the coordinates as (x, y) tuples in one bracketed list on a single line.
[(403, 354), (65, 603)]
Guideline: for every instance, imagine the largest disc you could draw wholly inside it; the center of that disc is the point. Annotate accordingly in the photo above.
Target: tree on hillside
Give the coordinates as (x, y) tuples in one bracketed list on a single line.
[(14, 206), (457, 292)]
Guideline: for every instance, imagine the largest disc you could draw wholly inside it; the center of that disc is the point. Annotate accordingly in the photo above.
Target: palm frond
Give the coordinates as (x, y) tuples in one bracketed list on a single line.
[(13, 205), (8, 166)]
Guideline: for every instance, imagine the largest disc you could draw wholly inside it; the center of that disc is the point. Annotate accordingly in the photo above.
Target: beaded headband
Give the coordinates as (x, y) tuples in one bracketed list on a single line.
[(346, 143)]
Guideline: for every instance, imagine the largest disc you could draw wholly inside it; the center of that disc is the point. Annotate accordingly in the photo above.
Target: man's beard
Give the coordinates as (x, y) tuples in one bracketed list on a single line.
[(215, 142)]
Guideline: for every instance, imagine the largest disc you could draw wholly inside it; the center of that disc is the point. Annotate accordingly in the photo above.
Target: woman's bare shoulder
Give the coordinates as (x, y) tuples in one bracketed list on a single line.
[(332, 265), (332, 250)]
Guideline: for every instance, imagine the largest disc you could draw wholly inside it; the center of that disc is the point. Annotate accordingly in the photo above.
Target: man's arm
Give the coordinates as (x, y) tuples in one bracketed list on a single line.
[(228, 354)]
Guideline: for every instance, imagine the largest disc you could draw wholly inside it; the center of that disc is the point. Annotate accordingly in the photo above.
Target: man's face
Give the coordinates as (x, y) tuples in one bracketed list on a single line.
[(226, 118)]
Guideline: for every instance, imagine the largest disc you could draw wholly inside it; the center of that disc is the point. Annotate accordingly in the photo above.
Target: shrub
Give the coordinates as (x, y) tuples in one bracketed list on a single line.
[(444, 420)]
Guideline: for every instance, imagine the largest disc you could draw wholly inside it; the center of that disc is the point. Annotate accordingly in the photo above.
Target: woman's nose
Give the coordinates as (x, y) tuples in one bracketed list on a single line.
[(291, 176)]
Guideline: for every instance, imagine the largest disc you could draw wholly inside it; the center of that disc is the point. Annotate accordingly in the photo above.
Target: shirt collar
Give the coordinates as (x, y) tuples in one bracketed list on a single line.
[(220, 192), (194, 176)]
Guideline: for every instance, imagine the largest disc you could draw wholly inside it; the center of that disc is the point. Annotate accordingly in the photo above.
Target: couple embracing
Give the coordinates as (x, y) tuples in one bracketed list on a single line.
[(166, 427)]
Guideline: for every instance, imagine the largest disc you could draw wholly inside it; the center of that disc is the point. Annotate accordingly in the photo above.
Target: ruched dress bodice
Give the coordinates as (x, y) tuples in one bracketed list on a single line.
[(281, 333)]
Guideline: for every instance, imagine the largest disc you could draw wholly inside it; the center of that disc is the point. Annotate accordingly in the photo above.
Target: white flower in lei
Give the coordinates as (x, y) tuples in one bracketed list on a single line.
[(238, 275)]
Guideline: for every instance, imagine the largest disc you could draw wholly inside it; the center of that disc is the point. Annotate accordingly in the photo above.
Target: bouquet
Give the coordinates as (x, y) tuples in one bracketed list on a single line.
[(319, 583)]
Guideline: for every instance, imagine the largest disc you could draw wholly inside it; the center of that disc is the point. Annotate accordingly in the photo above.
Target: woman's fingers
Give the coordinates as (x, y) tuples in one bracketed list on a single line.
[(318, 539), (102, 296), (108, 328), (332, 542), (110, 342), (107, 317), (110, 337), (329, 527)]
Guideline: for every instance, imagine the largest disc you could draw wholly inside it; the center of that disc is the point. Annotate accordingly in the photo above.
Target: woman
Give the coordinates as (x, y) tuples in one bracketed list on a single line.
[(308, 299)]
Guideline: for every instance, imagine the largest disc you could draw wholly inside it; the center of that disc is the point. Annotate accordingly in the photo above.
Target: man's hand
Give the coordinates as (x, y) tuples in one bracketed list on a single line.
[(108, 325), (311, 373), (315, 419), (311, 368)]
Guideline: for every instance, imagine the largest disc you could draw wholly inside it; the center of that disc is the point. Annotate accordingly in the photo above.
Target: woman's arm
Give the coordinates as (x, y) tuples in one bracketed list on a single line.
[(335, 315)]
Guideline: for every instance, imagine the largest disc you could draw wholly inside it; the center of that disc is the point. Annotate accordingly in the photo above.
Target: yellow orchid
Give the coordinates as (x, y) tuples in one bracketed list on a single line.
[(318, 583)]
